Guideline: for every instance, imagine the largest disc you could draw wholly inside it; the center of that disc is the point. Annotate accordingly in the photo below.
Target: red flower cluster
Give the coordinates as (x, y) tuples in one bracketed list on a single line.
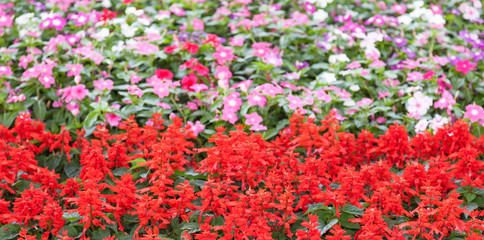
[(152, 182)]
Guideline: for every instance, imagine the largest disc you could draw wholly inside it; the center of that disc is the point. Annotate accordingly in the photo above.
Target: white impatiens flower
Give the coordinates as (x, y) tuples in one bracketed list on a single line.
[(419, 104), (106, 3), (326, 77), (132, 10), (24, 18), (320, 15), (421, 125), (437, 122), (404, 19), (128, 31), (119, 47), (354, 88), (337, 58), (101, 34)]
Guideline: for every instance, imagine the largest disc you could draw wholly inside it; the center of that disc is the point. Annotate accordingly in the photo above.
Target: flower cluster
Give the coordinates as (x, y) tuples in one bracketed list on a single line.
[(153, 182), (373, 62)]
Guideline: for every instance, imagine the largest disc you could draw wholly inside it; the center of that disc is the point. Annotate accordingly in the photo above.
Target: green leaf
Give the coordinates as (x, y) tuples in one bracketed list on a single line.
[(348, 208), (72, 170), (90, 119), (100, 234), (344, 221), (324, 228), (71, 231), (9, 231), (315, 207), (39, 109), (193, 226), (270, 133), (469, 197)]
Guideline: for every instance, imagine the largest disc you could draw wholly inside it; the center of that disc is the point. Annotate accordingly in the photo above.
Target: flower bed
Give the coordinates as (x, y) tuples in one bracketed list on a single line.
[(80, 63), (152, 183), (242, 119)]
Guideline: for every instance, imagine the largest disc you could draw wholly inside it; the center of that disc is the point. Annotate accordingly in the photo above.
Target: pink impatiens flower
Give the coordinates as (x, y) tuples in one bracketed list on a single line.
[(197, 24), (74, 69), (223, 55), (5, 70), (465, 66), (102, 84), (229, 115), (232, 102), (364, 102), (196, 127), (255, 99), (353, 65), (474, 113), (112, 119), (446, 101), (253, 119), (47, 80)]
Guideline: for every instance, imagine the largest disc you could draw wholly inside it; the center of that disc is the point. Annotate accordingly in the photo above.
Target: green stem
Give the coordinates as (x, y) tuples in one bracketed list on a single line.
[(179, 109)]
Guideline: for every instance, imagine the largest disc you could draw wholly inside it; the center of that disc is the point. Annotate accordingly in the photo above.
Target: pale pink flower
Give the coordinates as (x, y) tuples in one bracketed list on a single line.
[(414, 76), (102, 84), (253, 119), (5, 70), (474, 113), (237, 42), (74, 69), (47, 80), (229, 115), (196, 127), (223, 55), (364, 102), (255, 99), (197, 24), (135, 90), (232, 102), (73, 107), (353, 65)]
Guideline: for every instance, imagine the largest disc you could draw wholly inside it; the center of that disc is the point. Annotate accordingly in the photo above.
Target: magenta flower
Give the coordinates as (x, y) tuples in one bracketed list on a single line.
[(258, 128), (261, 49), (112, 119), (199, 87), (237, 42), (474, 113), (135, 78), (465, 66), (399, 8), (5, 20)]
